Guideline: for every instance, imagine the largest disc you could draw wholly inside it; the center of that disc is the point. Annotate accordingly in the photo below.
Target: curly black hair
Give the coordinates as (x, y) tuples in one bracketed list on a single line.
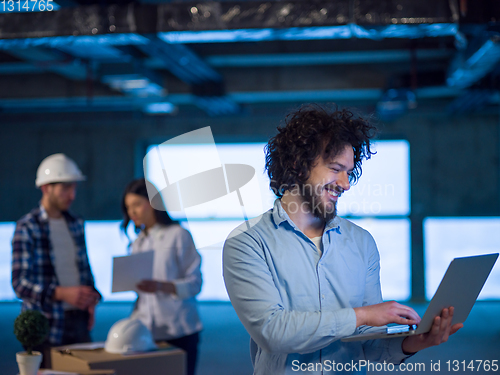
[(313, 131)]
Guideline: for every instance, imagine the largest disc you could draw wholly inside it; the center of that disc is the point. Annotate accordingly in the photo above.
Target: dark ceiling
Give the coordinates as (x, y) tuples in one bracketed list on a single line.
[(230, 57)]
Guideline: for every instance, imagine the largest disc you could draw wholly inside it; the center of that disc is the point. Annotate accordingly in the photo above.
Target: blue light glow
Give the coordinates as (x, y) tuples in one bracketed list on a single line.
[(6, 234), (242, 35), (310, 33), (159, 108), (75, 41), (480, 63)]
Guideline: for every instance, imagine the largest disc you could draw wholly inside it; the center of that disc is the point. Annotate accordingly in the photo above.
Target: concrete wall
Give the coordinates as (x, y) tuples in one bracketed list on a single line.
[(455, 165), (455, 171)]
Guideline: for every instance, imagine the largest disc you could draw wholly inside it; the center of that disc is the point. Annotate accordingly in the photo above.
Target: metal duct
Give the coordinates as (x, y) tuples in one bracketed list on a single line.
[(467, 71), (231, 15)]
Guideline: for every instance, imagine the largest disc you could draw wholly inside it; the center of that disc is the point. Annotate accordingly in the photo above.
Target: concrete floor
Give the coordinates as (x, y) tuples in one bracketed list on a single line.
[(225, 344)]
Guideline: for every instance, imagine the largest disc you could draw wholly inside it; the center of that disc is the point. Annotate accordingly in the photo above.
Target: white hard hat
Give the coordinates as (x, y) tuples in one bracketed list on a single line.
[(58, 168), (129, 335)]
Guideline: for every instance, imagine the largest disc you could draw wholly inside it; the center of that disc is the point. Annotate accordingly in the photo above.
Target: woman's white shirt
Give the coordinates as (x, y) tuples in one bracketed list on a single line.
[(170, 316)]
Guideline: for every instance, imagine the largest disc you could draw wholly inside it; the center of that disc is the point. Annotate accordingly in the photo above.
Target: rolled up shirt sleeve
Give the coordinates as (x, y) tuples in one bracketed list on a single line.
[(189, 261)]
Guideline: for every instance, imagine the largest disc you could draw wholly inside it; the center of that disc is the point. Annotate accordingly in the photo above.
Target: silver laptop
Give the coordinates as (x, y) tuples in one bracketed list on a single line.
[(459, 288)]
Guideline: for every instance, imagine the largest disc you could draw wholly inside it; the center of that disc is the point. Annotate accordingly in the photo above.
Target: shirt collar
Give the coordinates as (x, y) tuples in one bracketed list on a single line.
[(151, 231), (280, 215), (43, 213), (44, 216)]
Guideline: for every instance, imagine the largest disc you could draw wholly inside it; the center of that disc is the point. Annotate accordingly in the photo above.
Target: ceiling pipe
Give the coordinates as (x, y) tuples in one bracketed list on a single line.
[(95, 20)]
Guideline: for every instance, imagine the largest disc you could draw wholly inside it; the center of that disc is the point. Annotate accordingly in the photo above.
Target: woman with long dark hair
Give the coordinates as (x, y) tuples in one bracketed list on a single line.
[(166, 303)]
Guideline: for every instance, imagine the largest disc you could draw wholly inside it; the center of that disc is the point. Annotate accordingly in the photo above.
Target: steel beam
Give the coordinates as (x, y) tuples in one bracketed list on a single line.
[(123, 103), (325, 58)]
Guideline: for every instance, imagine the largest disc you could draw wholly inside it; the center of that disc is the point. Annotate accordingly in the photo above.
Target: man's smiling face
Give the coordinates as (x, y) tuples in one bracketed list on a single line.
[(328, 179)]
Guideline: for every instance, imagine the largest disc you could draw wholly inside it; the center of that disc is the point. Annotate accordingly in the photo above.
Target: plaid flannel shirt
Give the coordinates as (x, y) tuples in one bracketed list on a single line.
[(33, 274)]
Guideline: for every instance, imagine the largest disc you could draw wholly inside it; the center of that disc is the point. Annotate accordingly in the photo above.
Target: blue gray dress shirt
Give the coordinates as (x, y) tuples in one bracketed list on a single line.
[(297, 304)]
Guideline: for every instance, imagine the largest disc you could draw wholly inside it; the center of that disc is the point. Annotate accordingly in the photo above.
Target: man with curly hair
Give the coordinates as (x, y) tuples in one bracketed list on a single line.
[(299, 277)]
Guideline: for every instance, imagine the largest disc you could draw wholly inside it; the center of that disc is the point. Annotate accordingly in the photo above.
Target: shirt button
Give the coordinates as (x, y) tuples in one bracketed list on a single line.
[(323, 296)]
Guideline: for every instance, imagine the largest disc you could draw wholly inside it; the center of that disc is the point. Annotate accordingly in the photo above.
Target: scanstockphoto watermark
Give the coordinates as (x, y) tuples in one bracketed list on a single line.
[(355, 366), (458, 366)]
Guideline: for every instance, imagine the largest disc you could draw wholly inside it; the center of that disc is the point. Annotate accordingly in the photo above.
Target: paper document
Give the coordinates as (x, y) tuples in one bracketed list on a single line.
[(129, 270), (83, 346), (54, 372)]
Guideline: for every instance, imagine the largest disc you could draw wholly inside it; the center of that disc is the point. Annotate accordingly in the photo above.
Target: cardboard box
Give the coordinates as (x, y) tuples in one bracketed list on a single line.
[(169, 360), (80, 372)]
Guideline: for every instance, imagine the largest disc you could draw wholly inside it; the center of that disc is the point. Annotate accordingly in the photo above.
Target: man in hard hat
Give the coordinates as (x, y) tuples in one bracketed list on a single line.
[(50, 267), (301, 278)]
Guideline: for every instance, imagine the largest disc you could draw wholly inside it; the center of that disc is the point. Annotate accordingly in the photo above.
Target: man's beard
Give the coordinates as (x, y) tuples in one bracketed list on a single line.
[(60, 205), (316, 205)]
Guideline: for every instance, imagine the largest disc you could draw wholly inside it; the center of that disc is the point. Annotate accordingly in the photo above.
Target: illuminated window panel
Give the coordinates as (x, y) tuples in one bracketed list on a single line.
[(256, 195), (392, 237), (106, 240), (382, 190), (384, 186), (450, 237), (6, 233), (213, 288)]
